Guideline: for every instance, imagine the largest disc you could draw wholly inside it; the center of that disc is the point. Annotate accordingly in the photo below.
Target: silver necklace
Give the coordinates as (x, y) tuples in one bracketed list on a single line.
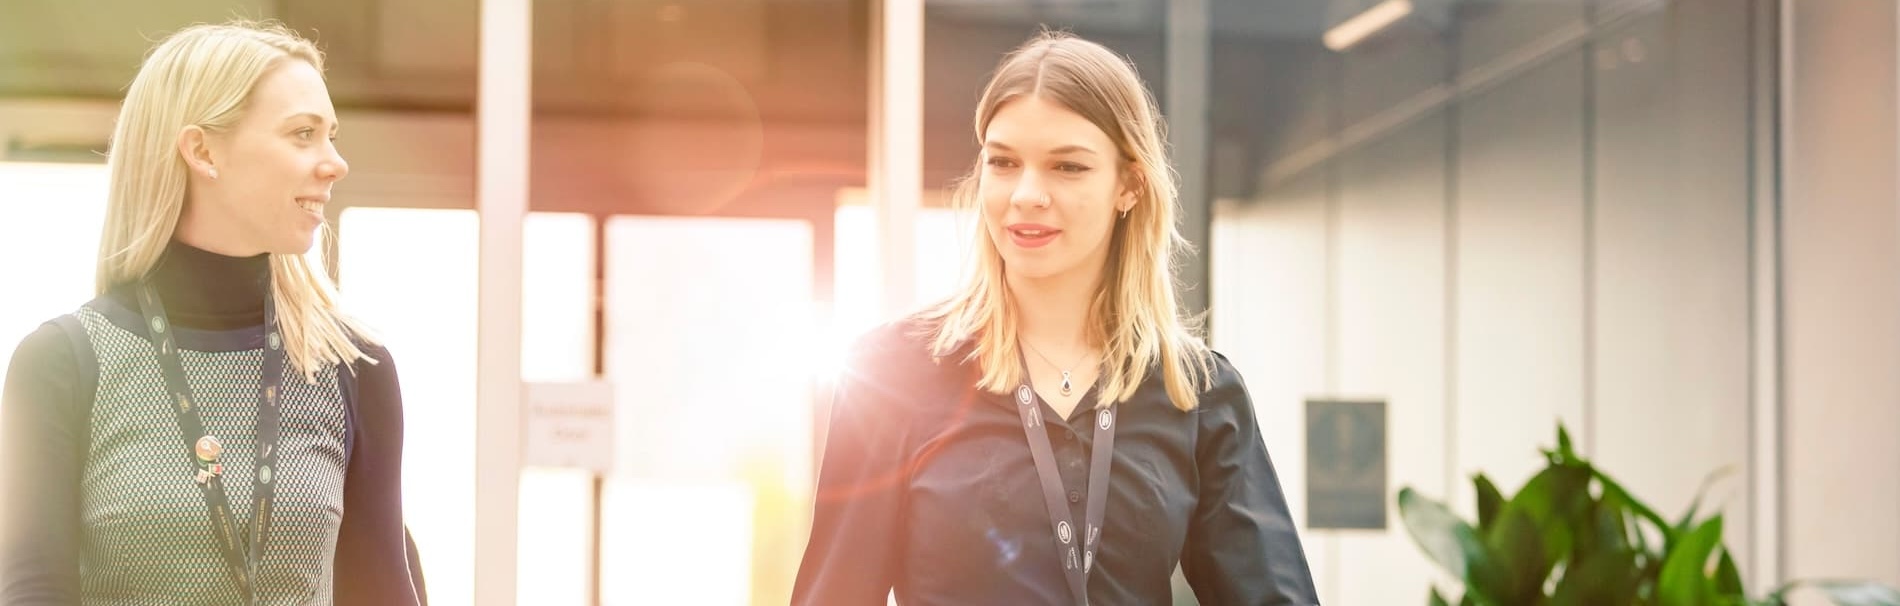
[(1067, 386)]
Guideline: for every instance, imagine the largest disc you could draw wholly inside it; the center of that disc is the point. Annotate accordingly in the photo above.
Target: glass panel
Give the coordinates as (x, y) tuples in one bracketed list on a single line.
[(941, 238), (51, 214), (410, 273), (708, 501), (557, 344)]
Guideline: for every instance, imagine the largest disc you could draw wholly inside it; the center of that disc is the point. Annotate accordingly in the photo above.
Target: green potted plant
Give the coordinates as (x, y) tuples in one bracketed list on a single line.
[(1572, 536)]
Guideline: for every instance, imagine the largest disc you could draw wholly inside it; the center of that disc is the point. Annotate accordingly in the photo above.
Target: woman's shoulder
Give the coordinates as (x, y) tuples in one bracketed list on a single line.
[(895, 362), (375, 350), (66, 336), (51, 343), (1224, 392), (894, 346), (366, 339), (1220, 370), (53, 368)]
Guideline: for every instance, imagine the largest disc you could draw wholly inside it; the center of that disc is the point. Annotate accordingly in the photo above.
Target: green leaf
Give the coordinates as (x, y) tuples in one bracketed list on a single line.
[(1448, 540), (1516, 572), (1606, 576), (1780, 594), (1682, 581), (1608, 529), (1610, 486), (1437, 600), (1557, 500), (1490, 501), (1626, 526), (1564, 449), (1649, 578), (1728, 580)]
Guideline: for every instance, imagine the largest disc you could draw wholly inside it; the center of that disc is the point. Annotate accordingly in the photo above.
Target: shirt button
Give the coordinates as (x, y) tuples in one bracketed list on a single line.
[(1075, 497)]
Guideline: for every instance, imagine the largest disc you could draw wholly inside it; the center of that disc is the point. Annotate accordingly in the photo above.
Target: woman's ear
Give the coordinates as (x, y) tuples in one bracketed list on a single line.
[(1132, 188), (194, 147)]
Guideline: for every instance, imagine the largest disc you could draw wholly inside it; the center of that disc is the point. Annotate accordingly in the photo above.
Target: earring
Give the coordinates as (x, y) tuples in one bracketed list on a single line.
[(214, 174), (1124, 213)]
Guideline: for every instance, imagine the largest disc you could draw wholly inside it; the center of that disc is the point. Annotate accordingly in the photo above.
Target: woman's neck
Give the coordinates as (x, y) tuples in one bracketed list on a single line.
[(204, 289), (201, 227), (1053, 312)]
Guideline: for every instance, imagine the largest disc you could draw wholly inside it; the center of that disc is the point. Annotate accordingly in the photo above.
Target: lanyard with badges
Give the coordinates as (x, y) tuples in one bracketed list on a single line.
[(1076, 560), (240, 555)]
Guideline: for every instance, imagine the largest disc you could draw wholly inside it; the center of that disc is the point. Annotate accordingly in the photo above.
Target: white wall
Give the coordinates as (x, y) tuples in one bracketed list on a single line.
[(1389, 329), (1841, 294), (1669, 268)]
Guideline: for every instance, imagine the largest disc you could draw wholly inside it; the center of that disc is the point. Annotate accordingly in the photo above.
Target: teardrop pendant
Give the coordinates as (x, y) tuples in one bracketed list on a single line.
[(1065, 382)]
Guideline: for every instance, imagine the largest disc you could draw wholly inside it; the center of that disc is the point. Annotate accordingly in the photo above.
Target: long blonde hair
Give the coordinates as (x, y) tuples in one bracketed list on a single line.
[(1133, 316), (203, 75)]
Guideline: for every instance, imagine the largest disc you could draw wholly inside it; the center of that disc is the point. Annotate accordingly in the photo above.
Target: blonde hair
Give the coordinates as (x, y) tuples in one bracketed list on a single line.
[(203, 75), (1134, 316)]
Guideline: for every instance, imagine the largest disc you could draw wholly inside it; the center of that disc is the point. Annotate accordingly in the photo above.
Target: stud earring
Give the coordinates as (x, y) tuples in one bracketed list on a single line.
[(1124, 213), (214, 174)]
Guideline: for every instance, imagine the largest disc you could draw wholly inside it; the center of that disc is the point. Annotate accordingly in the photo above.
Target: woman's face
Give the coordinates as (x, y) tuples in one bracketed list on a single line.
[(1051, 187), (274, 169)]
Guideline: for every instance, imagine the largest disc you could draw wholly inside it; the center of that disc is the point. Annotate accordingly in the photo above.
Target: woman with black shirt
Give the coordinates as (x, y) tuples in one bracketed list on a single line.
[(211, 429), (1055, 433)]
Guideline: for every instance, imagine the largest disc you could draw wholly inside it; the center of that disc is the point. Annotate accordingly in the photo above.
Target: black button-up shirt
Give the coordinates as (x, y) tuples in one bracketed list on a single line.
[(927, 488)]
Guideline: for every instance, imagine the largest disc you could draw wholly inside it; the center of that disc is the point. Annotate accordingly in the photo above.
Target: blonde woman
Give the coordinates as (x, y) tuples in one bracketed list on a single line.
[(1054, 433), (210, 429)]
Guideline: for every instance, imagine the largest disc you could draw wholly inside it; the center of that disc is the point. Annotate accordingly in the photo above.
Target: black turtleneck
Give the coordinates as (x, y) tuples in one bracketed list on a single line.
[(206, 290), (46, 403)]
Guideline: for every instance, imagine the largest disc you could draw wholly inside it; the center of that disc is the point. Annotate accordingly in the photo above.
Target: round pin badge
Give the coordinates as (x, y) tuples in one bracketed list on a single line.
[(208, 448)]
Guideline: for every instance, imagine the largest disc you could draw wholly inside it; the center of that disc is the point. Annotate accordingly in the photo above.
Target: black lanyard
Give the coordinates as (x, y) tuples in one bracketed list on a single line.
[(203, 449), (1076, 561)]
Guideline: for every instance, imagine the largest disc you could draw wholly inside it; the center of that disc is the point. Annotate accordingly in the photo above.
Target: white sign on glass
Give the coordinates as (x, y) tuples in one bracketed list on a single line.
[(570, 424)]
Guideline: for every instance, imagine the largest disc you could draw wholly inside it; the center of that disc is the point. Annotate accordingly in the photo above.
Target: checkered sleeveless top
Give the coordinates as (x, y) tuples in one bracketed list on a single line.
[(146, 531)]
